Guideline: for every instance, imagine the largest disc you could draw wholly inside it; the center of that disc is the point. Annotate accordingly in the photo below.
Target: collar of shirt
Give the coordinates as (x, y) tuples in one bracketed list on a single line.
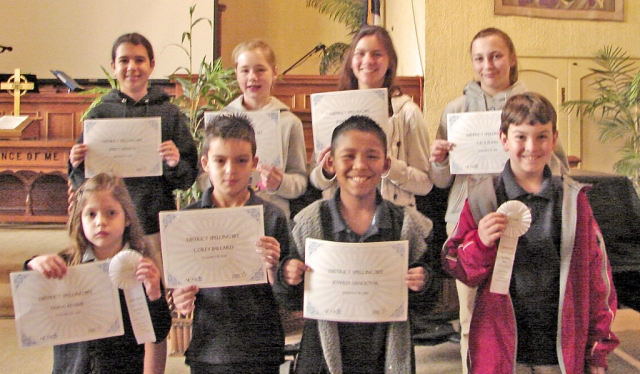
[(90, 256), (514, 191), (381, 219), (207, 198)]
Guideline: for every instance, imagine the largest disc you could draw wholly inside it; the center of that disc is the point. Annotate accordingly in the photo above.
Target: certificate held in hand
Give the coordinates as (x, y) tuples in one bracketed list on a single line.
[(84, 305), (212, 247), (476, 143), (127, 147), (356, 282)]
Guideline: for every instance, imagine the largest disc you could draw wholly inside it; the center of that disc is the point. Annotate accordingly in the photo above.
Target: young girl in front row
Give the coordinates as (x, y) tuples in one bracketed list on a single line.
[(256, 73), (133, 61), (102, 223)]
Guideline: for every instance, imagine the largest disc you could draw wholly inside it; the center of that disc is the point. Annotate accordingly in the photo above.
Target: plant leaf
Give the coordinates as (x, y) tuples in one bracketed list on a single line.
[(615, 107)]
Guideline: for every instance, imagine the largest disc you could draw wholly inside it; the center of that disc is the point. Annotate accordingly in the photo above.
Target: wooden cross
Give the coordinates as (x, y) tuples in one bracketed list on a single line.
[(17, 86)]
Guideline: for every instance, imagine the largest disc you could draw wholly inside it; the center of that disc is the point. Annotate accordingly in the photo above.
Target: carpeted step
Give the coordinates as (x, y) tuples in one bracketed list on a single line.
[(20, 243), (6, 302)]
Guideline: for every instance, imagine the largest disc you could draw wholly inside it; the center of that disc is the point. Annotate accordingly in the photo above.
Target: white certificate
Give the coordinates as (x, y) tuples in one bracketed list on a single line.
[(356, 282), (127, 147), (83, 305), (268, 138), (212, 247), (476, 143), (330, 109)]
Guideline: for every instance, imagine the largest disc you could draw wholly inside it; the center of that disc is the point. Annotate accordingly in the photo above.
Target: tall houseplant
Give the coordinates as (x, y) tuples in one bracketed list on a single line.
[(349, 12), (208, 89), (101, 91), (615, 107)]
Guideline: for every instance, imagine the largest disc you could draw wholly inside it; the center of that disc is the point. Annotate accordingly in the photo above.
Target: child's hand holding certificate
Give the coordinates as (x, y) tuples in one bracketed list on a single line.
[(476, 143), (127, 147), (82, 306), (212, 247), (356, 282)]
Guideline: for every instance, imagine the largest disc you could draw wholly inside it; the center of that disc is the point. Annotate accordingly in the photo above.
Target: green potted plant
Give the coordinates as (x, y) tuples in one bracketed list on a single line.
[(349, 12), (615, 107), (101, 91), (208, 89)]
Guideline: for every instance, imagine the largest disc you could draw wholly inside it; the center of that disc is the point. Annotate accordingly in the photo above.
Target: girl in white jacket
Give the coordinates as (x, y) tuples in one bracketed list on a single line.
[(371, 62)]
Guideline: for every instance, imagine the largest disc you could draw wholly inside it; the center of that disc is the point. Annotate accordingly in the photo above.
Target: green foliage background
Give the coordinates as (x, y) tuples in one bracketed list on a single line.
[(615, 107)]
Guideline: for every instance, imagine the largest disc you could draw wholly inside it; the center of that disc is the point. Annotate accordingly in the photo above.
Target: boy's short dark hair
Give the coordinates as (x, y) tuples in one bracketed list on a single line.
[(229, 126), (528, 108), (135, 39), (359, 123)]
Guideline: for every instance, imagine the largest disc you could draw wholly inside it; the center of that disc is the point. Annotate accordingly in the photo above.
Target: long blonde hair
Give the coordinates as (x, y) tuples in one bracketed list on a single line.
[(102, 182)]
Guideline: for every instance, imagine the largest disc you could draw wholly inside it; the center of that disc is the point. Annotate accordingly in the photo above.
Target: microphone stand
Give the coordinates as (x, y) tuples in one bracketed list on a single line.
[(319, 47)]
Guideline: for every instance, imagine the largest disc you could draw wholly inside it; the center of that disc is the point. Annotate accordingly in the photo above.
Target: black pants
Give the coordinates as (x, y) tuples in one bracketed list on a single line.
[(240, 368), (627, 286)]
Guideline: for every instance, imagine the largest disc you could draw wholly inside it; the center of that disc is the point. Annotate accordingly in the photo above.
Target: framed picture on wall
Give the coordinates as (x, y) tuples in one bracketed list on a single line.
[(608, 10)]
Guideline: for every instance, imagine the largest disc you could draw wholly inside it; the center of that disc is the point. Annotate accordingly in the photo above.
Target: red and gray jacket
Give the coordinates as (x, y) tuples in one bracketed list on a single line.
[(587, 302)]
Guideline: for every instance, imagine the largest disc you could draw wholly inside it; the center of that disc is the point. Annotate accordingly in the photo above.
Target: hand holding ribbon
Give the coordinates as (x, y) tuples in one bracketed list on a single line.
[(519, 221), (122, 271)]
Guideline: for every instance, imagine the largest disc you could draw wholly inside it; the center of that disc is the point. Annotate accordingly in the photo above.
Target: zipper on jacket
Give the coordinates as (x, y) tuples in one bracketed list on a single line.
[(515, 351), (124, 107), (462, 196)]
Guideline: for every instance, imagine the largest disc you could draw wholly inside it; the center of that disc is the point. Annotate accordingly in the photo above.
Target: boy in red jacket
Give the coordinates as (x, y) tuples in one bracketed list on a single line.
[(557, 312)]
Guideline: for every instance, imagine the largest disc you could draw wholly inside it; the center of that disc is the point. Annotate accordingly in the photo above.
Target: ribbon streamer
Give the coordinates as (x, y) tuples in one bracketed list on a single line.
[(519, 221), (122, 271)]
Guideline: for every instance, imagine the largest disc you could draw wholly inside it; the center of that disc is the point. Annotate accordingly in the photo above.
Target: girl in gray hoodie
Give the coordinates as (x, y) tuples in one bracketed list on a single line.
[(495, 66)]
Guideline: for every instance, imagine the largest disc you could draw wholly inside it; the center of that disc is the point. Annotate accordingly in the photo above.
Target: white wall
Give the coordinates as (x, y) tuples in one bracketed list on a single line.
[(451, 24), (405, 21), (76, 36)]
